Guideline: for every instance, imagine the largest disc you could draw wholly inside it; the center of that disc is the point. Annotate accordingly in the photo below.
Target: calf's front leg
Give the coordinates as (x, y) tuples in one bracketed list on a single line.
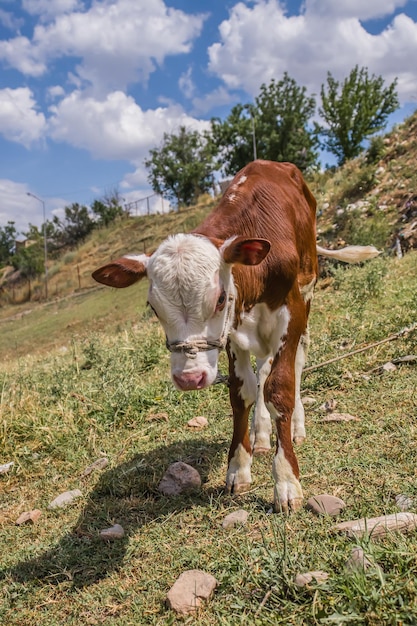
[(242, 392)]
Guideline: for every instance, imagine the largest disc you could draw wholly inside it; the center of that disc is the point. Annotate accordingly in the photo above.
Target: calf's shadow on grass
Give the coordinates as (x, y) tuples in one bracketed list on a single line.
[(128, 495)]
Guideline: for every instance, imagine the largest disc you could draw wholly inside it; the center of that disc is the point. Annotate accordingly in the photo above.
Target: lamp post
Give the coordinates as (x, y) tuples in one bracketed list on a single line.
[(45, 247)]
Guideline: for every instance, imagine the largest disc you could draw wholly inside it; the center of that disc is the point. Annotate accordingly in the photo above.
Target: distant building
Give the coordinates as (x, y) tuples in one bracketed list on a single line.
[(24, 243)]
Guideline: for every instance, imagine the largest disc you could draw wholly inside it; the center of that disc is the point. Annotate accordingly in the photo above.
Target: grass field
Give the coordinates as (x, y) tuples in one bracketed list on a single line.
[(81, 379)]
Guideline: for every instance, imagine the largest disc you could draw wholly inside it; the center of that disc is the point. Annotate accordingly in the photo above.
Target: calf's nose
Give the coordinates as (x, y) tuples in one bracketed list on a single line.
[(190, 380)]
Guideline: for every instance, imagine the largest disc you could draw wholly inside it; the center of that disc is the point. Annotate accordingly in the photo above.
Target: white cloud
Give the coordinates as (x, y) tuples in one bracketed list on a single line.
[(371, 9), (8, 20), (16, 206), (55, 91), (19, 119), (50, 8), (19, 54), (260, 42), (186, 83), (115, 127), (118, 42), (216, 98)]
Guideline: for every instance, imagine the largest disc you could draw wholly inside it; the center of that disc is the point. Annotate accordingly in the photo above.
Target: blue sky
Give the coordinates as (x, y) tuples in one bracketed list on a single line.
[(88, 87)]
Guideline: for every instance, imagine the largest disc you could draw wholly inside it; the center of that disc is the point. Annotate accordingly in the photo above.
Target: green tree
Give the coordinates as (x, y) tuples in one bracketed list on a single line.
[(30, 261), (181, 169), (108, 208), (8, 236), (75, 227), (232, 139), (283, 114), (275, 127), (353, 111)]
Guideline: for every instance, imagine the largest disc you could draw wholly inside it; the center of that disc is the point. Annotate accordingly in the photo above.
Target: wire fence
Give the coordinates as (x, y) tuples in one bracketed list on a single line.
[(149, 205)]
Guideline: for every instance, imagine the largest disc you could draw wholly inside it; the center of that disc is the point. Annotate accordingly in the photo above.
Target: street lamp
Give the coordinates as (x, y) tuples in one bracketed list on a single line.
[(45, 247)]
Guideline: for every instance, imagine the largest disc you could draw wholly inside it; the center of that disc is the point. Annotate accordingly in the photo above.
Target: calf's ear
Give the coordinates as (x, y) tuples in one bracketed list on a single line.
[(122, 272), (245, 251)]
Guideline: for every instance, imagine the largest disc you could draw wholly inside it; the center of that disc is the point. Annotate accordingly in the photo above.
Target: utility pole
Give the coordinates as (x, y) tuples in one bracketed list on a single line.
[(45, 246)]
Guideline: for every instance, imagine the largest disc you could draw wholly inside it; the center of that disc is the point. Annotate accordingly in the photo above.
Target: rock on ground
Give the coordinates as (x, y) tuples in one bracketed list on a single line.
[(28, 517), (188, 591), (325, 504), (178, 478), (302, 580), (112, 533), (404, 503), (97, 465), (6, 467), (198, 422), (358, 561), (379, 526), (237, 517), (65, 498)]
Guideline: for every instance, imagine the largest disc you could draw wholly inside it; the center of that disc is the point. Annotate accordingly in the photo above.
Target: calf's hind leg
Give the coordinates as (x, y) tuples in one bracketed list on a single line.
[(280, 390)]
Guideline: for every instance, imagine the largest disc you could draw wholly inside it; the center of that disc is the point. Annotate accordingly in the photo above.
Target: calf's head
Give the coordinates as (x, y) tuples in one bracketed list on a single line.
[(192, 292)]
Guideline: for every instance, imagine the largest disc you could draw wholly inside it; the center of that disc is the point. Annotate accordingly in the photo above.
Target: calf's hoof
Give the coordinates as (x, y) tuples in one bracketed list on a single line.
[(286, 506), (298, 440), (261, 450), (237, 488)]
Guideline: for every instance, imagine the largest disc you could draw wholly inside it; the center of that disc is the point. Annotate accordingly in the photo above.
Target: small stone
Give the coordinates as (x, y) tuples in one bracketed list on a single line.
[(325, 504), (389, 367), (28, 516), (65, 498), (97, 465), (188, 591), (306, 400), (340, 417), (329, 406), (6, 467), (198, 422), (237, 517), (303, 580), (178, 478), (157, 417), (404, 503), (112, 533), (359, 561)]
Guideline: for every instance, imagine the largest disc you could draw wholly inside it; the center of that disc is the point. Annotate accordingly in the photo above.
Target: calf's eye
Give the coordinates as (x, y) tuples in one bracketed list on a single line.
[(221, 301)]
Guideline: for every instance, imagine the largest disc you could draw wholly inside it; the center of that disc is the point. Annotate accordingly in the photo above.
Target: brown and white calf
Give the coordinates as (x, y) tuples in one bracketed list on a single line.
[(243, 280)]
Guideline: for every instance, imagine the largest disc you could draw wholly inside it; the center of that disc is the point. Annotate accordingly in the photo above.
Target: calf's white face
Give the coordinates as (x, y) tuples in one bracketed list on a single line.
[(189, 289), (192, 293)]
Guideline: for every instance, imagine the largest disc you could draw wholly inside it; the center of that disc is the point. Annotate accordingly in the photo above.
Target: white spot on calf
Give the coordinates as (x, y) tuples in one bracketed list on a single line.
[(262, 331), (243, 370), (241, 180)]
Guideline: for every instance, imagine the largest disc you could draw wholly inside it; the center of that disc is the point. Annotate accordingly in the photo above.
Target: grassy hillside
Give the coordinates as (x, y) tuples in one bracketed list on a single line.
[(373, 198)]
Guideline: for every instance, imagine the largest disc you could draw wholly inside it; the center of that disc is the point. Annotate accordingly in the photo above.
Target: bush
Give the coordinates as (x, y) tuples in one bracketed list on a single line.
[(376, 150)]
